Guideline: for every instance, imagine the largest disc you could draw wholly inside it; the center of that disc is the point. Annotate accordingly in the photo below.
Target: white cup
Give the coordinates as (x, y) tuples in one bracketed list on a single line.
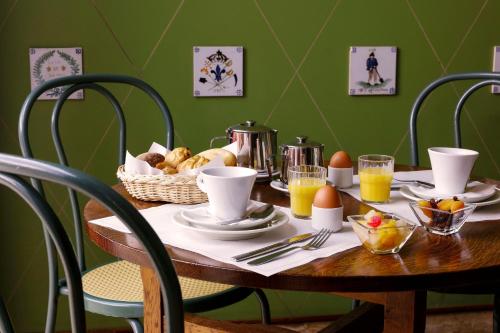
[(451, 168), (228, 190)]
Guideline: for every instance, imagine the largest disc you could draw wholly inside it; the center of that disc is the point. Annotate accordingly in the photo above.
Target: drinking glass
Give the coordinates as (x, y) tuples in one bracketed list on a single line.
[(375, 177), (303, 182)]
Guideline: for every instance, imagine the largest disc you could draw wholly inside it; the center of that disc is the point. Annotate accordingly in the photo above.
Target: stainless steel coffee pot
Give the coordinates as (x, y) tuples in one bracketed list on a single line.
[(256, 147), (300, 151)]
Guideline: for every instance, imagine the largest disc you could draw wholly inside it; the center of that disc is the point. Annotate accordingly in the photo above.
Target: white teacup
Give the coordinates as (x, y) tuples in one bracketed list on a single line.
[(451, 168), (228, 190)]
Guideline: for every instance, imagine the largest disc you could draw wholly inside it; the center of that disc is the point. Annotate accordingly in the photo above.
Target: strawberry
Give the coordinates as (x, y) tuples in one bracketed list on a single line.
[(375, 221)]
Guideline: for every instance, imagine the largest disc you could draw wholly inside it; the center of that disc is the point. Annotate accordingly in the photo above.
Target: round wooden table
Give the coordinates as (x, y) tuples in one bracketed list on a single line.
[(398, 281)]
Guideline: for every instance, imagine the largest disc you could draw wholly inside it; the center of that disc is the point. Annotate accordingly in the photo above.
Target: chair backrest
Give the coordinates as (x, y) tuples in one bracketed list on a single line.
[(12, 167), (72, 84), (485, 79)]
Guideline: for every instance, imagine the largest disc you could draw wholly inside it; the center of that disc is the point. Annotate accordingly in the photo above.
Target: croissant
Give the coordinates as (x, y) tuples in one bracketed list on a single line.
[(192, 163), (177, 156)]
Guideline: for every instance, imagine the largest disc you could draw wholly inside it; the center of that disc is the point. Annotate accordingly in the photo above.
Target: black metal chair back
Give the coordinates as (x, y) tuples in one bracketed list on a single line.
[(486, 79), (12, 167)]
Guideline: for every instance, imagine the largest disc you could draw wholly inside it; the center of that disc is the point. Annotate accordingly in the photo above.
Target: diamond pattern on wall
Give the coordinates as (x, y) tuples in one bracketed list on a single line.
[(295, 80)]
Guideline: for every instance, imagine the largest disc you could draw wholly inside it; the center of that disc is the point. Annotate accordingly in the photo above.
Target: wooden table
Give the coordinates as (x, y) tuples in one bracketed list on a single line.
[(399, 281)]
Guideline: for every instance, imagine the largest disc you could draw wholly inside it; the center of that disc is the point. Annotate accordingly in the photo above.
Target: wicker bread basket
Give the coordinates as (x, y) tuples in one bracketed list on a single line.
[(181, 189)]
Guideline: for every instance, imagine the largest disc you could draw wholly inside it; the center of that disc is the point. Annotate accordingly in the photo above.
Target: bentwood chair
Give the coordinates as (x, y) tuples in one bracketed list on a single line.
[(12, 167), (480, 79), (115, 289)]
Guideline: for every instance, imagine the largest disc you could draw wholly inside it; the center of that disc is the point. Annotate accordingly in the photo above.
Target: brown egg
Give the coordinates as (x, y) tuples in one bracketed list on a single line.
[(327, 197), (341, 160)]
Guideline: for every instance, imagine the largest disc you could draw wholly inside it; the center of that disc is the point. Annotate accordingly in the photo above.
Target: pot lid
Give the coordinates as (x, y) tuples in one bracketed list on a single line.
[(250, 126), (302, 141)]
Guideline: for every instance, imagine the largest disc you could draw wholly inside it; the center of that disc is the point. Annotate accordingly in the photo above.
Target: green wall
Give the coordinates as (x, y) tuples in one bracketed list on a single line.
[(296, 58)]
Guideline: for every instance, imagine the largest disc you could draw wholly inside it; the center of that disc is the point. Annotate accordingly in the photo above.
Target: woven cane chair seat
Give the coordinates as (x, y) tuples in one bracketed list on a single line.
[(121, 281)]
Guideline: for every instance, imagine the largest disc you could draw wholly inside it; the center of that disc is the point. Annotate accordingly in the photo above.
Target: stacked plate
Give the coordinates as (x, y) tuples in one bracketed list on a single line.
[(476, 192), (200, 221)]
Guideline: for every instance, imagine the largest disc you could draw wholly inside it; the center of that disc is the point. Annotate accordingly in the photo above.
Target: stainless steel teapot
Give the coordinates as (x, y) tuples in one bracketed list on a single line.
[(257, 145), (300, 152)]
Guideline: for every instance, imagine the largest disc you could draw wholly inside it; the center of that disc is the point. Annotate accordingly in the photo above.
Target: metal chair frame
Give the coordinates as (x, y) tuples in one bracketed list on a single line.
[(487, 78), (57, 286), (12, 167)]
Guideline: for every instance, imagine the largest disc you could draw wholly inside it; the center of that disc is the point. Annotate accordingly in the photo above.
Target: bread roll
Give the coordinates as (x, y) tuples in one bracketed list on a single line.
[(168, 170), (229, 158), (152, 158), (192, 163), (178, 155)]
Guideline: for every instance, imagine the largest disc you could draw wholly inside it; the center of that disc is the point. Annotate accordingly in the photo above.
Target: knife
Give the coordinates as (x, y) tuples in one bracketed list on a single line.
[(273, 247)]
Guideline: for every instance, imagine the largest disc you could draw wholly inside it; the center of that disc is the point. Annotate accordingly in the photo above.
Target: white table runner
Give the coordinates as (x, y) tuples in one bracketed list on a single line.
[(161, 219), (399, 204)]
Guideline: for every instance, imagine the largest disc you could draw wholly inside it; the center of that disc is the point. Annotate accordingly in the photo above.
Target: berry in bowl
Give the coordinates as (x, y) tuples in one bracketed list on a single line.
[(382, 233), (442, 217)]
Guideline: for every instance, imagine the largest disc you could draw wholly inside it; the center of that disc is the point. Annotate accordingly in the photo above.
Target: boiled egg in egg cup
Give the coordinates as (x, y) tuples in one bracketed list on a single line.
[(340, 170), (327, 209)]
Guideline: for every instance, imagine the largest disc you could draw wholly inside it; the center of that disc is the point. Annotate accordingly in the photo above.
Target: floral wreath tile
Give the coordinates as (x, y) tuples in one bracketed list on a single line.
[(218, 71), (372, 70), (51, 63), (496, 68)]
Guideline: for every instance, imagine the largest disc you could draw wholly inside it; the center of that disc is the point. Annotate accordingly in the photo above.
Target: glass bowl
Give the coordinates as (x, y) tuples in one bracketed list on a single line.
[(387, 237), (441, 222)]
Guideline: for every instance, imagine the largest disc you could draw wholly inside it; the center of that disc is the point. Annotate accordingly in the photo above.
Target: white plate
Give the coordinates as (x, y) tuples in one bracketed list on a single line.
[(230, 235), (475, 192), (405, 192), (264, 175), (201, 217), (278, 185)]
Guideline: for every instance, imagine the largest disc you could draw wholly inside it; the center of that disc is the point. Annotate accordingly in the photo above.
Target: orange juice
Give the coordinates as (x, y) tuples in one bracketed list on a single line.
[(302, 191), (375, 184)]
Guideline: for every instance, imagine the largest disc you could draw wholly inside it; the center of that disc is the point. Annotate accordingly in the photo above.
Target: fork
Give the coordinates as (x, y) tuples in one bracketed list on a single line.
[(314, 244)]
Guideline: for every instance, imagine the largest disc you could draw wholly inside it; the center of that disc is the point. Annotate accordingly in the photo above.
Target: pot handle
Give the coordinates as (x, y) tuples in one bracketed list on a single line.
[(215, 138)]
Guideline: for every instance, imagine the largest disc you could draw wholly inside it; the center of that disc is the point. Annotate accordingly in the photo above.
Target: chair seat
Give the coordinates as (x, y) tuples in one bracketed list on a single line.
[(119, 283)]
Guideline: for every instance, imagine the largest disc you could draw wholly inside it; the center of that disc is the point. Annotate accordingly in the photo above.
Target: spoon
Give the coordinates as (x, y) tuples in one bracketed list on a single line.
[(256, 214)]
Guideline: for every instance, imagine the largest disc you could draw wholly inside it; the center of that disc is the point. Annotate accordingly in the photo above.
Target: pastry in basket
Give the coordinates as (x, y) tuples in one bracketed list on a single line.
[(192, 163), (178, 155), (229, 158), (151, 158), (166, 168)]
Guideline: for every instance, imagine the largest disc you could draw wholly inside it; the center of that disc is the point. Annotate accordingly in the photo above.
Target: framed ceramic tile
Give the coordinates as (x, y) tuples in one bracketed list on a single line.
[(372, 70), (51, 63), (218, 71), (496, 67)]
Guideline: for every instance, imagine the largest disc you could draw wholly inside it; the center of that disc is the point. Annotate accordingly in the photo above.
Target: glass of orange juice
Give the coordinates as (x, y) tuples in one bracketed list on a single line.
[(375, 177), (303, 182)]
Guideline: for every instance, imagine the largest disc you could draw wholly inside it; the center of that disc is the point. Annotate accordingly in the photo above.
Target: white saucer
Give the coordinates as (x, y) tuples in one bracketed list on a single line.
[(201, 217), (279, 185), (475, 192), (228, 235), (407, 193)]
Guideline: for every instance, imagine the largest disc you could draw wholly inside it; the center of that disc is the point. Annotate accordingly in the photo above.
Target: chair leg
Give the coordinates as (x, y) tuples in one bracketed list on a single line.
[(136, 325), (496, 313), (355, 303), (264, 306)]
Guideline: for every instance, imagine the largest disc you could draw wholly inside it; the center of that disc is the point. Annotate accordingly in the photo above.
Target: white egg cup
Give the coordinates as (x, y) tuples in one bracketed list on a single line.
[(340, 177), (328, 218)]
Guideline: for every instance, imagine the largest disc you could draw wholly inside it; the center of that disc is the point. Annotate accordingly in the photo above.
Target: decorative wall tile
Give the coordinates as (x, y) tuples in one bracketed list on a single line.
[(218, 71)]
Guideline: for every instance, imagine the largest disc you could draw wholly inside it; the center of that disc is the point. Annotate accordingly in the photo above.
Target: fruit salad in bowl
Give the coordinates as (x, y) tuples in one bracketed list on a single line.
[(382, 233), (442, 217)]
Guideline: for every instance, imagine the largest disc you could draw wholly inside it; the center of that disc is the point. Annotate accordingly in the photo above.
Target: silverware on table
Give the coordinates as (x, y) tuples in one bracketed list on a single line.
[(314, 244), (416, 182), (273, 247), (256, 214)]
